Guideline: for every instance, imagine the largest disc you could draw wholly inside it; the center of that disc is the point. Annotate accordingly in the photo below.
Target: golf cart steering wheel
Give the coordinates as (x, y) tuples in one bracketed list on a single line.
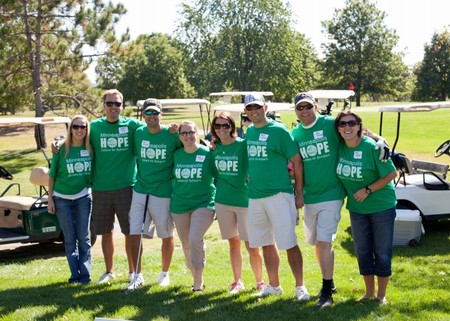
[(443, 149)]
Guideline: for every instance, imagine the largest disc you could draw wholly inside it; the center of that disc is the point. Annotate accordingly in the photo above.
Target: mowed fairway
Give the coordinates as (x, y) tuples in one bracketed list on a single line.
[(33, 278)]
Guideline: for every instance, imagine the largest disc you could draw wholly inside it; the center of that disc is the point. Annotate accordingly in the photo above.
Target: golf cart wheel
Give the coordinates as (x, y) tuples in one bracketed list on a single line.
[(413, 243)]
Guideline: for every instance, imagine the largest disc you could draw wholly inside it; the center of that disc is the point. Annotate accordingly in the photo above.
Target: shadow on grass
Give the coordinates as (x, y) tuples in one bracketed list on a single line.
[(173, 303), (29, 252), (16, 161)]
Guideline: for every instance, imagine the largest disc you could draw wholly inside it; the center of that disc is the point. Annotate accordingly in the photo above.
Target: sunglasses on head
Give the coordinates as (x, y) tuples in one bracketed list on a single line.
[(252, 107), (152, 112), (79, 127), (300, 107), (223, 126), (113, 103), (350, 123)]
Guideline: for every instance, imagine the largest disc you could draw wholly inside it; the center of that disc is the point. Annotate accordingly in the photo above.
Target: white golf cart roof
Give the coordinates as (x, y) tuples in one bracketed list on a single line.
[(420, 107), (29, 121), (331, 94)]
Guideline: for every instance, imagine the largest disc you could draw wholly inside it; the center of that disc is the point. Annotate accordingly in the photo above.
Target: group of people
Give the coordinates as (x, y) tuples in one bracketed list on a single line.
[(245, 183)]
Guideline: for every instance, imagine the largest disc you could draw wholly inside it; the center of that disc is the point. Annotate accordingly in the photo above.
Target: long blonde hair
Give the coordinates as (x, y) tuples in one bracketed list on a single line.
[(69, 139)]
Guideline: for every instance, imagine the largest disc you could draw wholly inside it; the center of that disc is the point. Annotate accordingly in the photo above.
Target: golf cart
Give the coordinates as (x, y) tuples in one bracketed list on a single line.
[(25, 219), (237, 109), (327, 98), (421, 186)]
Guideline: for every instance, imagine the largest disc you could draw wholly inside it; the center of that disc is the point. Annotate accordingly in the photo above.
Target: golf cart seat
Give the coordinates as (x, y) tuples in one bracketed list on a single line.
[(39, 177), (420, 173)]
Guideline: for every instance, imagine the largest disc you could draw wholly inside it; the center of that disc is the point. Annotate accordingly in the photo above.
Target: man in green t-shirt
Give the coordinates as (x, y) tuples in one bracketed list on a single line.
[(272, 210), (154, 146), (114, 174)]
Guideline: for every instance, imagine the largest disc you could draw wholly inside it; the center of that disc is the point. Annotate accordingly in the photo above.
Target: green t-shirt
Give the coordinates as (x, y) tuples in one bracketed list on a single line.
[(231, 167), (358, 167), (319, 149), (193, 181), (269, 149), (71, 174), (154, 154), (114, 162)]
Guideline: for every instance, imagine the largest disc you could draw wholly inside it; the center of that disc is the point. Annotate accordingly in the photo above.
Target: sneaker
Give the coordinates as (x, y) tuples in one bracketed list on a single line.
[(269, 290), (236, 287), (301, 293), (106, 278), (260, 285), (325, 301), (136, 283), (333, 290), (131, 276), (164, 279)]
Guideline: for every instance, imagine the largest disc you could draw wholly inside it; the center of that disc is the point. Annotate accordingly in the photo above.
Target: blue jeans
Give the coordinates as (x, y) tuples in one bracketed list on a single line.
[(74, 218), (373, 239)]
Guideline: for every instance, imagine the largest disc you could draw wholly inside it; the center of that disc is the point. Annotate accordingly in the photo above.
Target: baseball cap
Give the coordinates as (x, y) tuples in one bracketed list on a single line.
[(304, 97), (254, 98), (152, 104)]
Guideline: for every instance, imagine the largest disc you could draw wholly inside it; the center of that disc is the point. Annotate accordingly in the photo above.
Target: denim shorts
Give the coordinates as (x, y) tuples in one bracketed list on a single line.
[(373, 240)]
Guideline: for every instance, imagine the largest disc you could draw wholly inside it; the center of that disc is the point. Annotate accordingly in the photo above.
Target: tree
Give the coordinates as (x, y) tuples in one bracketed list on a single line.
[(150, 66), (245, 45), (361, 51), (46, 39), (433, 73)]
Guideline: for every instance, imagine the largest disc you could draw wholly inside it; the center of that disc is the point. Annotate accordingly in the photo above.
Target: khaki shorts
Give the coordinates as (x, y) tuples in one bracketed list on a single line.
[(233, 221), (272, 220), (106, 204), (321, 220), (157, 216)]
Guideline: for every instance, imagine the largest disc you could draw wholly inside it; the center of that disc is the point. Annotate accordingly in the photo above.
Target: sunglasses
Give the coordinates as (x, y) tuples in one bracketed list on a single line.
[(223, 126), (300, 108), (152, 112), (253, 107), (186, 134), (350, 123), (113, 103), (79, 127)]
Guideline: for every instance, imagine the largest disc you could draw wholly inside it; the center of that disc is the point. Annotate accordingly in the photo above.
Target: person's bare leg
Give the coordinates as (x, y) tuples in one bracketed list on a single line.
[(325, 258), (295, 260), (272, 262), (255, 261), (198, 278), (167, 248), (382, 286), (236, 257), (108, 251), (128, 252), (369, 281), (134, 250)]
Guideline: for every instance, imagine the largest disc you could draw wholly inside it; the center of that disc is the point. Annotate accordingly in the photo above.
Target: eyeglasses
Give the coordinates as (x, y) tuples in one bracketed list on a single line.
[(223, 126), (79, 127), (300, 107), (152, 112), (253, 107), (113, 103), (186, 134), (350, 123)]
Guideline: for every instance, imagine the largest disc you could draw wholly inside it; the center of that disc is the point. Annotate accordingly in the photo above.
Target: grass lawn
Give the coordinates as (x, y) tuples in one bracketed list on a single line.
[(33, 277)]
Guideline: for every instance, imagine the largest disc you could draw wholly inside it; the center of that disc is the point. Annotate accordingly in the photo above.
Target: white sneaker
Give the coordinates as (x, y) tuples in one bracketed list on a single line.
[(269, 290), (164, 279), (136, 283), (106, 278), (236, 287), (131, 276), (301, 293)]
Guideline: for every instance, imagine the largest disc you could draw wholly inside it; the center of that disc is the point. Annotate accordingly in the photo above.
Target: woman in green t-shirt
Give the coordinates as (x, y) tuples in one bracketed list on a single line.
[(371, 202), (70, 197), (231, 202), (192, 204)]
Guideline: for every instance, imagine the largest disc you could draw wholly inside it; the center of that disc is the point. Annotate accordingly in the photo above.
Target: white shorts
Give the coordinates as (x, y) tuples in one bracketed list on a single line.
[(272, 220), (233, 221), (157, 216), (321, 220)]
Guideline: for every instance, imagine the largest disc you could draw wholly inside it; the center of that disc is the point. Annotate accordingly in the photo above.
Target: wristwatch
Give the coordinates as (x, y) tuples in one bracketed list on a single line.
[(368, 190)]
